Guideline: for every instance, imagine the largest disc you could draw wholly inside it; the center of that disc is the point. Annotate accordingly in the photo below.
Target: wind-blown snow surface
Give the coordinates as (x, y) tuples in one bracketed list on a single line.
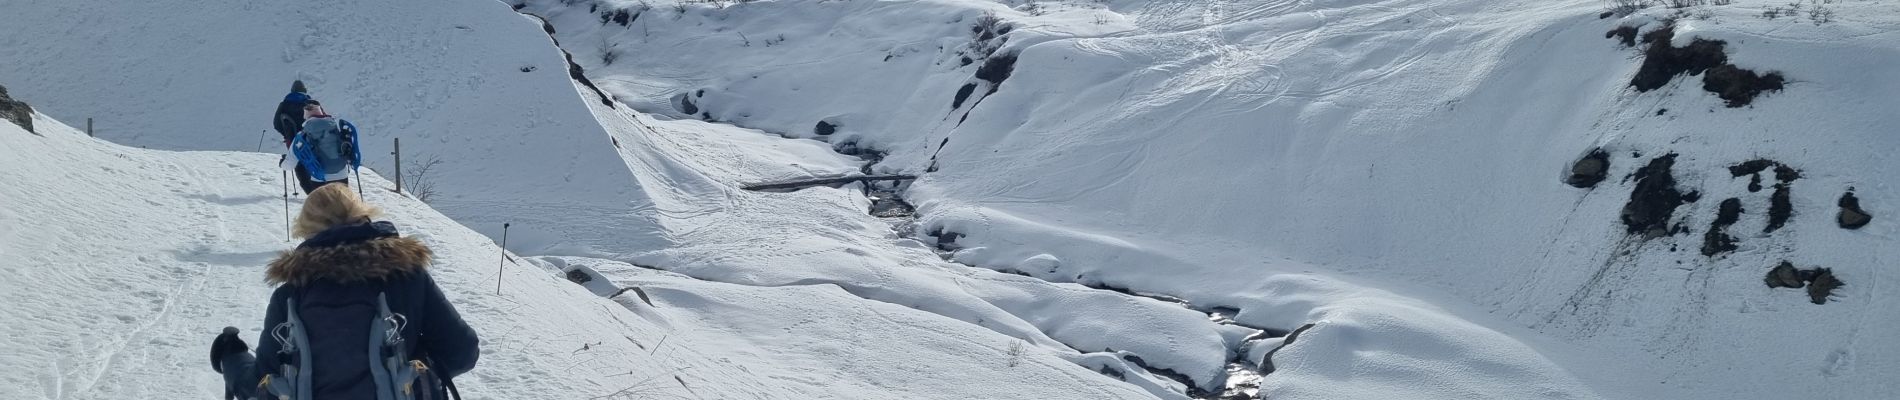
[(469, 83), (123, 263), (1280, 157)]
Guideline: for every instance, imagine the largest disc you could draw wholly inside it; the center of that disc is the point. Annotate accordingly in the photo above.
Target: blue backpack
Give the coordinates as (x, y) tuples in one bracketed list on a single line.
[(327, 147)]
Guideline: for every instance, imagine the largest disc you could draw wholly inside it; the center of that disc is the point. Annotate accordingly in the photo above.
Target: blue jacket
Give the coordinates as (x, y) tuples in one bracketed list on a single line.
[(336, 276), (289, 117)]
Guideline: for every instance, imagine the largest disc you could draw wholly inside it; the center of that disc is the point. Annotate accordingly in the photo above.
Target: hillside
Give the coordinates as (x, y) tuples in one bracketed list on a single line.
[(1113, 198)]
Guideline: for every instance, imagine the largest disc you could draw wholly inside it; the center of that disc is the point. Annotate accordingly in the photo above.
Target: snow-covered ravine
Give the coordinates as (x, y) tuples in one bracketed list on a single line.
[(1156, 340), (1394, 172), (1237, 378)]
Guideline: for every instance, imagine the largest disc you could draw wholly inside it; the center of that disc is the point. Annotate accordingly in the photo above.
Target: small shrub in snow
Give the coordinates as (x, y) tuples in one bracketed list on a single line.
[(608, 52), (1820, 14), (1015, 353), (1627, 7), (420, 181)]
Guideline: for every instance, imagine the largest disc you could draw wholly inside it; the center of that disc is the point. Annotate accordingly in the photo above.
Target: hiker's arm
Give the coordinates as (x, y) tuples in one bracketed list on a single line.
[(266, 345), (285, 124), (448, 340)]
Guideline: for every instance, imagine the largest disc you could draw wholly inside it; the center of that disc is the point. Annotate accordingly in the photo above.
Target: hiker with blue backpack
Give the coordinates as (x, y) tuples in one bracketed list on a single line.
[(324, 147), (356, 315), (288, 120)]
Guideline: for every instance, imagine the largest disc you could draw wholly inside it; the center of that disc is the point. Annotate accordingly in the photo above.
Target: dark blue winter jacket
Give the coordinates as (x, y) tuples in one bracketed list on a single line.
[(289, 116), (336, 276)]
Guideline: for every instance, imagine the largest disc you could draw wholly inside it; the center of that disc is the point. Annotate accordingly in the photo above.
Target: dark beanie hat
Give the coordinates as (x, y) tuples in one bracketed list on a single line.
[(297, 87)]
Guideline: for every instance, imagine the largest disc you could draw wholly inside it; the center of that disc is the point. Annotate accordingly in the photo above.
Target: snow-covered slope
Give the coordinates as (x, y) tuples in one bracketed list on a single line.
[(465, 82), (1224, 152), (124, 262), (1391, 172)]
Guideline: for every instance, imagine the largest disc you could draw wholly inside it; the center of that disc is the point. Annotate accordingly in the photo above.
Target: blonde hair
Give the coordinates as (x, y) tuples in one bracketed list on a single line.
[(330, 206)]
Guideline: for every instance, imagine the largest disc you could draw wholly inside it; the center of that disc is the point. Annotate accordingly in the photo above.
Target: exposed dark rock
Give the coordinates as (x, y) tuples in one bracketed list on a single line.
[(1729, 212), (578, 276), (824, 128), (574, 70), (686, 105), (997, 69), (1780, 208), (1194, 389), (1852, 216), (1751, 167), (1662, 62), (1625, 34), (1739, 86), (621, 16), (963, 94), (1754, 168), (1820, 282), (1822, 285), (946, 241), (16, 111), (1785, 276), (1266, 362), (1786, 174), (1654, 200), (889, 205), (1590, 170), (1717, 240)]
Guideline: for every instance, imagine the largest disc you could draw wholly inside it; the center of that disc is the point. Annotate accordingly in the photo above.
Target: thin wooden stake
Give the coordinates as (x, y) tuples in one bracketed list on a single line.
[(504, 258), (286, 181), (398, 165)]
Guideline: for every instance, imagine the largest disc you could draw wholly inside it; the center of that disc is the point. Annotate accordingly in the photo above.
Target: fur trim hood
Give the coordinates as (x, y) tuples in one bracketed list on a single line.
[(355, 257)]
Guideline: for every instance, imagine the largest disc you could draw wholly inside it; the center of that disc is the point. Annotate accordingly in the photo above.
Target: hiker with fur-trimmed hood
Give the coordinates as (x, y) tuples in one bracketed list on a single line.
[(334, 287)]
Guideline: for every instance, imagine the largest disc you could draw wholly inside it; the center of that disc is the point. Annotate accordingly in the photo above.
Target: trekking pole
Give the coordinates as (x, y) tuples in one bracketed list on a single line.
[(457, 394), (504, 257), (260, 139), (286, 181), (359, 181)]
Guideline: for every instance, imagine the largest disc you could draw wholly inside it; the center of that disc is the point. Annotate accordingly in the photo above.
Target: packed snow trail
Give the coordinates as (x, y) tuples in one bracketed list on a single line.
[(125, 262)]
